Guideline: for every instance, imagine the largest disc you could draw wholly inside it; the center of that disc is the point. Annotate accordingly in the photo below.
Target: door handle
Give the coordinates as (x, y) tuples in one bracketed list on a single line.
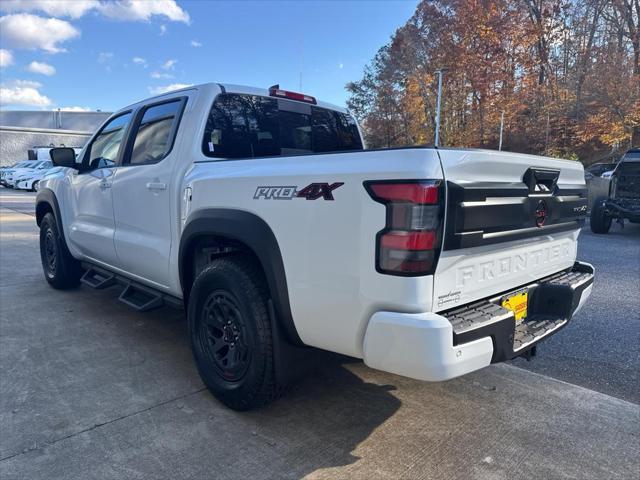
[(156, 186), (104, 185)]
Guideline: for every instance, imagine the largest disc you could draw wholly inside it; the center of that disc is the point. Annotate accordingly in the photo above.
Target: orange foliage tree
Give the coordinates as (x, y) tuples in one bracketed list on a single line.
[(564, 73)]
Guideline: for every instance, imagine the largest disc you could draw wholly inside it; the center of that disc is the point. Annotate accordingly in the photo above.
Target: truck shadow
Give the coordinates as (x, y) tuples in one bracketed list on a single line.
[(317, 425), (325, 417), (127, 379)]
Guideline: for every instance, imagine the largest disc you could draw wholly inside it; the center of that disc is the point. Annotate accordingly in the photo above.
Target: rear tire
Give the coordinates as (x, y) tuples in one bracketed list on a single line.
[(600, 221), (230, 332), (61, 270)]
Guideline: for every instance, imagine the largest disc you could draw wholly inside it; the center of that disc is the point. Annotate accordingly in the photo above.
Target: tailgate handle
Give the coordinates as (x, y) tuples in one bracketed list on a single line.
[(540, 180)]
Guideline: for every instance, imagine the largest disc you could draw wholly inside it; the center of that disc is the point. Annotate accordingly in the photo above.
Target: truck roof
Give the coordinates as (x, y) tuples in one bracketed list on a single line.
[(229, 88)]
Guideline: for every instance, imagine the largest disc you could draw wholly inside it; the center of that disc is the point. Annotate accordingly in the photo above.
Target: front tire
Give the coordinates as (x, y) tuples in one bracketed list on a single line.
[(230, 332), (61, 270), (600, 221), (34, 186)]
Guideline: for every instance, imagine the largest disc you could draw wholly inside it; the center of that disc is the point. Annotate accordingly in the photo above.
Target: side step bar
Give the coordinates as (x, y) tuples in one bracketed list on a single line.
[(137, 296), (98, 279), (140, 298)]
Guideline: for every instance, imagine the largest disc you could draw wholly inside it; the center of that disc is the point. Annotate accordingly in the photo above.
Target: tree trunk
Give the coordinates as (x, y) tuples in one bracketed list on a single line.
[(586, 56)]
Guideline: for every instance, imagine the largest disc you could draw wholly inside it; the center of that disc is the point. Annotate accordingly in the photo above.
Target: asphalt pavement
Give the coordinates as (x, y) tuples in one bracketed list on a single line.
[(92, 389), (600, 348)]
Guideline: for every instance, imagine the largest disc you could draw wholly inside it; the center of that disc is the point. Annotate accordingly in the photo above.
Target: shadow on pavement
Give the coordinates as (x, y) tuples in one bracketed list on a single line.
[(88, 378)]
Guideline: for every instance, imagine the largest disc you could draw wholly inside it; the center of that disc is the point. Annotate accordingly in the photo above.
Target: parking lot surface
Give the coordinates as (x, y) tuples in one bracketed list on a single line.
[(600, 348), (93, 389)]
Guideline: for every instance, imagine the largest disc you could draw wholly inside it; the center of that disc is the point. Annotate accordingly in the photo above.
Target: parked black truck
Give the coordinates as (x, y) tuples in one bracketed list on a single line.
[(623, 201)]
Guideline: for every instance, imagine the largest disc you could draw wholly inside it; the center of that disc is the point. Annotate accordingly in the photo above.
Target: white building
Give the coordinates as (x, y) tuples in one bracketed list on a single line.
[(21, 131)]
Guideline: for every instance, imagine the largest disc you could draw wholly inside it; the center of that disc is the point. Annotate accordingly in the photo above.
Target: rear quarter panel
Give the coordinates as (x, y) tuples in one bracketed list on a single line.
[(328, 247)]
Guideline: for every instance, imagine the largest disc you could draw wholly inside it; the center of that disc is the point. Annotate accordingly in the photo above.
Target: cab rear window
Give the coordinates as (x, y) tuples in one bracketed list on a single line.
[(247, 126)]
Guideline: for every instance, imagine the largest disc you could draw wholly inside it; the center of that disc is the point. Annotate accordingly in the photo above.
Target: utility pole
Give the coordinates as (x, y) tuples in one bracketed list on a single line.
[(501, 128), (438, 105)]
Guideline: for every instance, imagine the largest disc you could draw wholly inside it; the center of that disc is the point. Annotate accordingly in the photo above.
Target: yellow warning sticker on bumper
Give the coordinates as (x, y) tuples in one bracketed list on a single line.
[(517, 303)]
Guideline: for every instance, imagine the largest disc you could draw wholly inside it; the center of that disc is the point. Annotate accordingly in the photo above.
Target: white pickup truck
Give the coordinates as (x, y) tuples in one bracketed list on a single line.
[(260, 211)]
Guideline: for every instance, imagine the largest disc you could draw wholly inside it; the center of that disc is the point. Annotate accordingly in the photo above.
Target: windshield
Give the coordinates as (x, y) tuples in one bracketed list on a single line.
[(30, 164), (37, 165), (633, 155)]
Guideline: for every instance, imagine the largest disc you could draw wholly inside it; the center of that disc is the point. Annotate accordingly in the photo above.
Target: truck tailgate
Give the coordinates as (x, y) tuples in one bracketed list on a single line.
[(510, 219)]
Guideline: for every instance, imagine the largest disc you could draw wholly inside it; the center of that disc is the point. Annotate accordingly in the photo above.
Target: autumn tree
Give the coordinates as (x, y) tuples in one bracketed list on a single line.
[(564, 72)]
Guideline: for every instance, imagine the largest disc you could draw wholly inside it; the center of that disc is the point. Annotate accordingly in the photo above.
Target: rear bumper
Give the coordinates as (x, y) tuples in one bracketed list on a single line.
[(444, 345)]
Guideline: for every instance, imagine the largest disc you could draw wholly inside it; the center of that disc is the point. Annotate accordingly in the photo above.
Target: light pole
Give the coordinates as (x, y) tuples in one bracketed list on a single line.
[(501, 127), (440, 72), (546, 137)]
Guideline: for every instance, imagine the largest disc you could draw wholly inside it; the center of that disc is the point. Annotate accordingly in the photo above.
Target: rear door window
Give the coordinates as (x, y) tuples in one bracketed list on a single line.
[(246, 126), (156, 132)]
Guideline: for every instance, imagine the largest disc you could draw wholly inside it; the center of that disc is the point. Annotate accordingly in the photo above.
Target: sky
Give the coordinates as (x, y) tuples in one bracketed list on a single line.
[(98, 54)]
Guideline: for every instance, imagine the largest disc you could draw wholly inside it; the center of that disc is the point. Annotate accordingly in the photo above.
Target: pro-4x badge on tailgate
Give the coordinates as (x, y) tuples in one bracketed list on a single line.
[(313, 191)]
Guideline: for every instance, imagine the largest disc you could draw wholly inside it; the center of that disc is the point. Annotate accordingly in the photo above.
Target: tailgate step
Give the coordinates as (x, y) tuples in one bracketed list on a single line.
[(532, 330), (573, 278), (552, 301), (476, 315)]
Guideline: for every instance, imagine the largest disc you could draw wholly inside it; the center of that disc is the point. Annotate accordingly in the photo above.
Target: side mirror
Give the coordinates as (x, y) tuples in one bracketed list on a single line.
[(63, 157)]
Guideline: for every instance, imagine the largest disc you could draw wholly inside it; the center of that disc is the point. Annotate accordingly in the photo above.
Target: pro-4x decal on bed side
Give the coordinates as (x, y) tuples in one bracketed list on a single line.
[(313, 191)]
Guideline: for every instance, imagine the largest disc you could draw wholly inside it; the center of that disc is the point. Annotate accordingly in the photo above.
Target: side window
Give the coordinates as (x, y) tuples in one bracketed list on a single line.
[(242, 126), (155, 133), (104, 149)]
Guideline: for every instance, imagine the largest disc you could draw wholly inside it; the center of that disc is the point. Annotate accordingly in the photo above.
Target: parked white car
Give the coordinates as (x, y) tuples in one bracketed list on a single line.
[(11, 178), (30, 180), (4, 171)]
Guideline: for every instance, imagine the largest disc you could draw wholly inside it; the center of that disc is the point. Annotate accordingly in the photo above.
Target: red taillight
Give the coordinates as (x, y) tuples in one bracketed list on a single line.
[(409, 244), (409, 240), (408, 192), (300, 97)]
